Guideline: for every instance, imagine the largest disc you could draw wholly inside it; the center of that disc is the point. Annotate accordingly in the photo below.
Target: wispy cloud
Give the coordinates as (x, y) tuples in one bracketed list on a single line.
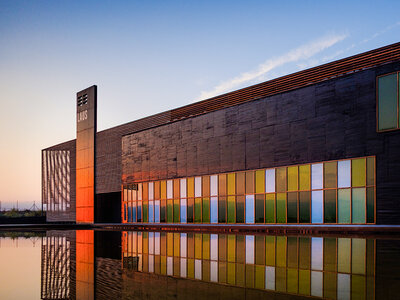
[(301, 53), (390, 27)]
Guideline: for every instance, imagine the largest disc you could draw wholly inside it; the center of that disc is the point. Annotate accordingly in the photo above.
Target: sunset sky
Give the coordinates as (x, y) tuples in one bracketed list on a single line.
[(150, 56)]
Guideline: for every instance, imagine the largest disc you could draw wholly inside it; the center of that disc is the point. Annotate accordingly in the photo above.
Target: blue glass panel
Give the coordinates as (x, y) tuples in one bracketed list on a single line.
[(139, 211), (157, 211), (151, 211), (317, 206), (214, 210), (317, 176), (129, 214), (270, 181), (183, 211), (249, 208), (249, 249), (344, 174), (134, 212)]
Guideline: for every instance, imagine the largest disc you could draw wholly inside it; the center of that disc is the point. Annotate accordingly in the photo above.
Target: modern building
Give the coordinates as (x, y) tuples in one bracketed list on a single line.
[(320, 146)]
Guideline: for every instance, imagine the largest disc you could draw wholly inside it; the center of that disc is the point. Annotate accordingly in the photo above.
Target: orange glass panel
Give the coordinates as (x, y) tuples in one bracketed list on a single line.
[(85, 264)]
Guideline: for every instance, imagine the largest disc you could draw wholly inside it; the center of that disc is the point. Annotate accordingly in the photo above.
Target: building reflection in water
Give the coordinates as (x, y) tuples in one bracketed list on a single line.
[(134, 264)]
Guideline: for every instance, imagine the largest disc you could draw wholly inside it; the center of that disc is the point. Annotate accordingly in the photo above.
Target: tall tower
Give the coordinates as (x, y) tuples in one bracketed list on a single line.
[(86, 127)]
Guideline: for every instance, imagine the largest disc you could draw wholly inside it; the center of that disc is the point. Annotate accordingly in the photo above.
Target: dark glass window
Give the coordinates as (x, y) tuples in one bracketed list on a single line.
[(388, 102)]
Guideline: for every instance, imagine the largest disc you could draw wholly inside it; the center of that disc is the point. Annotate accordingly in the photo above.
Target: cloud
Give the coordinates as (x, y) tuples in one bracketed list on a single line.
[(303, 52), (390, 27)]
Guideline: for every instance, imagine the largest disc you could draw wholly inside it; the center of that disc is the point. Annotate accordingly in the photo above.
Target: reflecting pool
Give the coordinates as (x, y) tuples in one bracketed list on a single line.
[(91, 264)]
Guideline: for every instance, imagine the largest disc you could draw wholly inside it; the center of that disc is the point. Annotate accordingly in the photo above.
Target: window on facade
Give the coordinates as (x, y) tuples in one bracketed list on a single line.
[(388, 102)]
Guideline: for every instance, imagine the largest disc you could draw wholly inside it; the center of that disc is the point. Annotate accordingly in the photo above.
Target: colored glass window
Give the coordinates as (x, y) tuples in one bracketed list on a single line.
[(388, 102), (281, 207), (240, 209), (240, 183), (197, 210), (222, 185), (260, 181), (190, 210), (197, 187), (270, 250), (231, 183), (231, 209), (270, 208), (370, 205), (250, 182), (304, 253), (293, 178), (206, 186), (222, 209), (214, 185), (304, 207), (330, 206), (206, 210), (270, 181), (370, 171), (183, 211), (330, 174), (358, 205), (344, 205), (157, 211), (358, 172), (304, 177), (316, 207), (170, 211), (163, 210), (190, 187), (249, 208), (317, 176), (281, 181), (292, 207), (214, 209), (259, 210), (344, 174), (176, 210)]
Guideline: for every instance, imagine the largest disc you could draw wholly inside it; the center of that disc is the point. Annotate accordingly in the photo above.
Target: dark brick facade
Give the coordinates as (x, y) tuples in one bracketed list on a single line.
[(335, 119)]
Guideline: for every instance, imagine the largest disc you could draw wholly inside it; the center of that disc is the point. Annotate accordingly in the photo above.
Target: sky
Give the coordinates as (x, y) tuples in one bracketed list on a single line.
[(150, 56)]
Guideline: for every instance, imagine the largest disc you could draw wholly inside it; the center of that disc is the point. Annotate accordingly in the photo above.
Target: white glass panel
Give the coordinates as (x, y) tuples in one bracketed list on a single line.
[(151, 190), (170, 266), (249, 208), (317, 253), (183, 211), (317, 171), (197, 269), (214, 246), (157, 211), (214, 185), (344, 173), (183, 245), (249, 249), (151, 263), (151, 211), (270, 181), (157, 243), (183, 188), (197, 186), (214, 271), (134, 195), (270, 278), (343, 286), (214, 210), (316, 283), (151, 242), (317, 206), (183, 267), (169, 189)]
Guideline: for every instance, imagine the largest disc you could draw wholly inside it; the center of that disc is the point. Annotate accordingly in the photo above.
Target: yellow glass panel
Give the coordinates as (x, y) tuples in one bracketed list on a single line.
[(270, 250), (206, 270), (292, 280), (197, 245), (357, 287), (358, 253), (163, 270), (260, 277), (358, 170), (330, 174), (370, 171), (176, 243), (240, 183), (231, 248), (260, 250), (206, 246), (293, 175), (145, 191), (176, 188), (240, 249), (176, 262), (240, 275), (190, 268), (330, 283), (249, 276), (163, 244), (304, 282), (222, 272), (231, 184), (260, 181), (163, 186), (280, 279), (190, 245), (231, 273), (281, 251), (190, 187), (170, 244), (145, 242), (222, 184), (250, 182), (205, 186), (304, 177), (222, 253), (281, 182)]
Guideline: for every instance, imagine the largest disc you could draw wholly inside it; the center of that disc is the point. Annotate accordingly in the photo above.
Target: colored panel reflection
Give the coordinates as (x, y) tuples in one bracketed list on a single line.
[(85, 264), (85, 154)]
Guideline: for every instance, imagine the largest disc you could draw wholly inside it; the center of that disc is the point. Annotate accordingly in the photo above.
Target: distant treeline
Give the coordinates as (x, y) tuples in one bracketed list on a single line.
[(14, 213)]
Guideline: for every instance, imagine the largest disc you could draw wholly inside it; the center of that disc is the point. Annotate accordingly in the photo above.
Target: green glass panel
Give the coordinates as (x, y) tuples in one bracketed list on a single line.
[(259, 277), (330, 174), (304, 253), (231, 209), (370, 205), (197, 210), (330, 254), (249, 276), (259, 250), (387, 102), (330, 285), (163, 211), (292, 280), (232, 248), (259, 214), (280, 279), (357, 287), (358, 170), (145, 211), (190, 208), (270, 208), (281, 180), (293, 178), (270, 250), (292, 207), (304, 177), (304, 282), (176, 211), (371, 171), (222, 209), (281, 207), (231, 184), (344, 255), (169, 211), (358, 205), (344, 205), (260, 181), (292, 252), (330, 206), (281, 248), (304, 209), (240, 209), (206, 210)]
